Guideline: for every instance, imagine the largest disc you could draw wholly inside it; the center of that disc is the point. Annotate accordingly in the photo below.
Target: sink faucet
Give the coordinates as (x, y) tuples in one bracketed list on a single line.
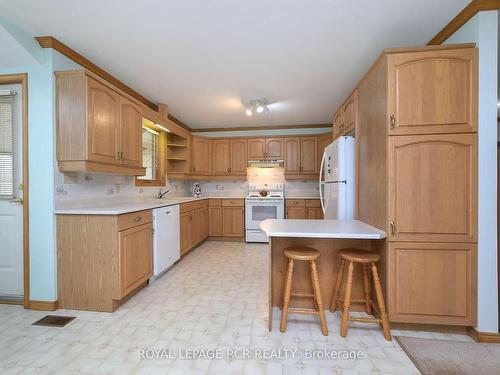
[(161, 195)]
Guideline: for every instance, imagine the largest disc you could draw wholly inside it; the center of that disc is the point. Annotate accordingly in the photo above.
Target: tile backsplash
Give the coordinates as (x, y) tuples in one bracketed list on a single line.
[(79, 186)]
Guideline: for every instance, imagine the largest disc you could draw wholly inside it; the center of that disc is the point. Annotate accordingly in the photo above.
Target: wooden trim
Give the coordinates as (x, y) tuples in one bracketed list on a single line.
[(43, 305), (51, 42), (89, 166), (9, 302), (22, 78), (487, 337), (226, 239), (440, 328), (262, 127), (465, 15), (179, 122)]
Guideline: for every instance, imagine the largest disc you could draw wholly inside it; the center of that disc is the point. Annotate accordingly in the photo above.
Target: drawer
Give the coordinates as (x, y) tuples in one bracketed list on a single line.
[(295, 202), (134, 219), (236, 202), (313, 203), (191, 206), (215, 202)]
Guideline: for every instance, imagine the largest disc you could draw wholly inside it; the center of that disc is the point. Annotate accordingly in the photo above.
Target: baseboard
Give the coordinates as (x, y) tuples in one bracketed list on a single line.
[(226, 239), (486, 337), (43, 305), (440, 328)]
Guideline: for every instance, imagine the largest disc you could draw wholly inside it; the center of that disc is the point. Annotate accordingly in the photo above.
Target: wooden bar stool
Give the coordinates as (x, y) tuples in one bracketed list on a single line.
[(302, 253), (366, 258)]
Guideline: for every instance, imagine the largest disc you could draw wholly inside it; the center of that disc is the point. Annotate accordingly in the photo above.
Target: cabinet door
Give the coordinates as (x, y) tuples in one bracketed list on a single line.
[(136, 257), (185, 232), (432, 283), (274, 148), (314, 213), (215, 222), (130, 133), (292, 155), (256, 148), (205, 222), (433, 188), (195, 226), (233, 221), (337, 123), (239, 156), (349, 113), (295, 213), (309, 155), (201, 155), (103, 123), (433, 92), (220, 156)]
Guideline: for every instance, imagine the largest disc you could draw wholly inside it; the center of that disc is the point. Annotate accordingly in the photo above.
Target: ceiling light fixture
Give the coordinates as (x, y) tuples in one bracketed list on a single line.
[(257, 105)]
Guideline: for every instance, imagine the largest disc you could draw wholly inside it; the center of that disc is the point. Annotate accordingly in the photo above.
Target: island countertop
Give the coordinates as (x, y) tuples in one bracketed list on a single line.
[(350, 229)]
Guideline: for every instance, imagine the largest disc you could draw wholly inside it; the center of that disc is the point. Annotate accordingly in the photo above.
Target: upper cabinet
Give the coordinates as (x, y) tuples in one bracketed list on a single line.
[(349, 114), (265, 148), (300, 156), (238, 156), (201, 150), (337, 123), (98, 129), (221, 156), (432, 92)]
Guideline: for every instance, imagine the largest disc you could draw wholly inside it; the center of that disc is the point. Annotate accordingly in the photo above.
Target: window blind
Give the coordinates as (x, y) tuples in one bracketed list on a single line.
[(6, 146)]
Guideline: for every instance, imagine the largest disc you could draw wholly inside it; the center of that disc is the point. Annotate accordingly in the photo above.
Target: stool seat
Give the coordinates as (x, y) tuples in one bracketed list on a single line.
[(301, 253), (359, 256)]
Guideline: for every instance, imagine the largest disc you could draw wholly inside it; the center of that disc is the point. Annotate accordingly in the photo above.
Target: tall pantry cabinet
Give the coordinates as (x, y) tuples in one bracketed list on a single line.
[(417, 173)]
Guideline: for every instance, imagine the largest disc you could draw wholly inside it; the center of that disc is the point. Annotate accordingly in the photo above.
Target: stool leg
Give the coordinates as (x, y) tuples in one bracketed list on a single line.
[(333, 306), (283, 287), (366, 286), (347, 300), (381, 304), (286, 299), (318, 298)]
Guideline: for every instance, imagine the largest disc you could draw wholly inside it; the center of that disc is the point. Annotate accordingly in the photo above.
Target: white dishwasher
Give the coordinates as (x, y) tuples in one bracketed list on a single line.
[(166, 242)]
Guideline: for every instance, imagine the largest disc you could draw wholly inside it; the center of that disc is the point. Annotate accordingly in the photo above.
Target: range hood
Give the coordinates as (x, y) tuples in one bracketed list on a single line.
[(266, 163)]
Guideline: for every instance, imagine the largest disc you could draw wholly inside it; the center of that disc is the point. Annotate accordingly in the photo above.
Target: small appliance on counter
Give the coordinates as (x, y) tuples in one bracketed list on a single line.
[(196, 190), (264, 201)]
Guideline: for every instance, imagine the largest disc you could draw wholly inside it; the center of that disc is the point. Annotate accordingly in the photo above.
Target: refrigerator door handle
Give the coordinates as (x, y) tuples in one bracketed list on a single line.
[(323, 206), (335, 182)]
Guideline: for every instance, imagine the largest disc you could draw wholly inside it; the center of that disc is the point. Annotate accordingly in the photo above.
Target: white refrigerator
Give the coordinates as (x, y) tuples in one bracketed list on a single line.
[(337, 179)]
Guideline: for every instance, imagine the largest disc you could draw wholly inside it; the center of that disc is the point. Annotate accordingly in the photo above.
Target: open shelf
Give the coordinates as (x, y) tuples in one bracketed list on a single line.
[(175, 145), (177, 154)]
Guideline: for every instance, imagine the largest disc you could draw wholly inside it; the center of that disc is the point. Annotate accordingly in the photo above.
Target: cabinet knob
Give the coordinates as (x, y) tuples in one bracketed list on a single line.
[(393, 228), (138, 218)]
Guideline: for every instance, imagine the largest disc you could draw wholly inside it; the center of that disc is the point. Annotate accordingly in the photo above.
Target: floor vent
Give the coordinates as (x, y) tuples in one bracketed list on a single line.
[(54, 321)]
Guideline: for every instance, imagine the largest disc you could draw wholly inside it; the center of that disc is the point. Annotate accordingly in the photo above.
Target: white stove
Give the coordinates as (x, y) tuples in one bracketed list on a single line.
[(264, 201)]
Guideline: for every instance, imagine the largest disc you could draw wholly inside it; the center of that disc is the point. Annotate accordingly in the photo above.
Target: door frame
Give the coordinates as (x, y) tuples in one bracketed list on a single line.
[(22, 78)]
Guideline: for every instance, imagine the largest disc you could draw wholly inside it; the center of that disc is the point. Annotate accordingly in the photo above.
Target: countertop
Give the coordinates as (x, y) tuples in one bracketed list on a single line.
[(118, 206), (353, 229)]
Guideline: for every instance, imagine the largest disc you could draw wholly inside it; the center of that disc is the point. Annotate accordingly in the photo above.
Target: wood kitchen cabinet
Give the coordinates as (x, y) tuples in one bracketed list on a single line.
[(265, 148), (432, 92), (99, 129), (337, 123), (221, 154), (102, 259), (238, 156), (303, 209), (432, 283), (233, 221), (136, 257), (201, 155), (313, 209), (301, 155), (433, 185), (349, 114), (194, 224), (226, 217)]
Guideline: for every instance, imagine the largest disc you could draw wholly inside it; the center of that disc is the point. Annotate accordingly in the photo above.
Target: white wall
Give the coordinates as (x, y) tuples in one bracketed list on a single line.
[(483, 30)]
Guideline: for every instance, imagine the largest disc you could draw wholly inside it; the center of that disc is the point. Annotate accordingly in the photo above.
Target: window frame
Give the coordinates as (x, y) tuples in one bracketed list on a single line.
[(161, 172)]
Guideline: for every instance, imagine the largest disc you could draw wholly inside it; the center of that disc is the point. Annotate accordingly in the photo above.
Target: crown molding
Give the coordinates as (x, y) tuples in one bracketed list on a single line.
[(262, 127)]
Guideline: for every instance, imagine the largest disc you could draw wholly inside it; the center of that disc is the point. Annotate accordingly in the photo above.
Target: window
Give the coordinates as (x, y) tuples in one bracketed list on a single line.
[(150, 153), (6, 146)]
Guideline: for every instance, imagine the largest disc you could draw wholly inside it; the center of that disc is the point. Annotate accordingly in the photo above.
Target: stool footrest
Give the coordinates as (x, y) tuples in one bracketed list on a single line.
[(302, 295), (303, 311), (352, 300), (365, 319)]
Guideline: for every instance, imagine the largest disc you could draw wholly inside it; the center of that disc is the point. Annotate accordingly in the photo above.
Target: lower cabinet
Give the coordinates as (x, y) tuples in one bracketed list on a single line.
[(227, 217), (432, 283), (215, 221), (194, 222), (136, 261), (303, 209), (233, 221), (102, 259)]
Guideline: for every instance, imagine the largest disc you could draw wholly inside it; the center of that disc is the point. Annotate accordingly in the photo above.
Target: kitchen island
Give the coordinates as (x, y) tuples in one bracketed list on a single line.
[(327, 236)]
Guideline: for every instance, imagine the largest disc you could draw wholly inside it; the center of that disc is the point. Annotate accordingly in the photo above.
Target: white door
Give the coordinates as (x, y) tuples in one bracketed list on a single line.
[(11, 212)]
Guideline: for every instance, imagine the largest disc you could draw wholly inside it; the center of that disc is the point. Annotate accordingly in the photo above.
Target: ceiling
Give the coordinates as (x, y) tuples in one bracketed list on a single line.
[(206, 59)]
